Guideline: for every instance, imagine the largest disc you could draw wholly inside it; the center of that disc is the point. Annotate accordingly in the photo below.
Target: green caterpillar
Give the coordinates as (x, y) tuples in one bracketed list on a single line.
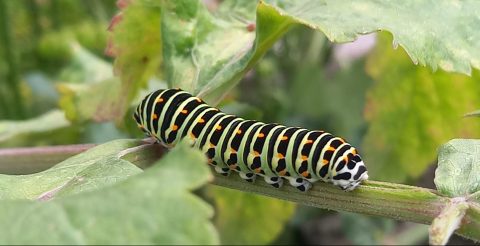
[(249, 147)]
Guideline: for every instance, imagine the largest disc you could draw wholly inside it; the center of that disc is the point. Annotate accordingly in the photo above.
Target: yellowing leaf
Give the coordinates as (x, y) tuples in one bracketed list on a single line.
[(411, 112)]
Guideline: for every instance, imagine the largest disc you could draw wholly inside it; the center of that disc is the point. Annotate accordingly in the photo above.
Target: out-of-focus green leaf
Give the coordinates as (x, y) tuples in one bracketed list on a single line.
[(458, 172), (245, 218), (93, 169), (137, 46), (154, 207), (97, 101), (353, 225), (89, 90), (411, 112), (54, 119), (85, 67), (330, 99)]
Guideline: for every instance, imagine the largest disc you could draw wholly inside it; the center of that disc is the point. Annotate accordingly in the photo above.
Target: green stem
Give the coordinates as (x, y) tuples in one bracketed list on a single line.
[(13, 77), (396, 201)]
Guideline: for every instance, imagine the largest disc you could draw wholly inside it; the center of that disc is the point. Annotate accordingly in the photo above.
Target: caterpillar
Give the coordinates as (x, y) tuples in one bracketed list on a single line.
[(250, 147)]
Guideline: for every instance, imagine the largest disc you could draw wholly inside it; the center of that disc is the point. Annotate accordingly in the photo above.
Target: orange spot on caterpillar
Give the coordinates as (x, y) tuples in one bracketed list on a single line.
[(258, 170), (261, 135), (331, 148), (304, 157), (309, 141), (212, 145), (174, 127), (305, 174), (354, 151), (280, 156), (184, 111), (283, 172), (239, 131), (201, 120), (155, 116), (255, 153), (324, 162), (192, 135), (345, 159), (284, 138), (219, 127), (233, 166), (159, 100), (233, 151)]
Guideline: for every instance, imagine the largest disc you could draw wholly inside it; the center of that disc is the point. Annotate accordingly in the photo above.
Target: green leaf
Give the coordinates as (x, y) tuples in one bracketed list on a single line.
[(245, 218), (89, 90), (207, 53), (154, 207), (137, 46), (54, 119), (204, 51), (458, 172), (415, 25), (411, 112), (96, 168)]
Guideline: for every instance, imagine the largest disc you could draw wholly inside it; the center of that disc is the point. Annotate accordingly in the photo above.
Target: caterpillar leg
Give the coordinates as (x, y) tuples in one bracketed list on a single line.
[(276, 182), (305, 186), (299, 183), (250, 177), (223, 171)]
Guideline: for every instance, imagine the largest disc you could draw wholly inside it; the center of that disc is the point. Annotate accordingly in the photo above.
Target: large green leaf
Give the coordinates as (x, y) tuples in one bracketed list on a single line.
[(208, 52), (93, 169), (245, 218), (458, 172), (193, 60), (154, 207), (411, 112), (415, 25), (52, 120)]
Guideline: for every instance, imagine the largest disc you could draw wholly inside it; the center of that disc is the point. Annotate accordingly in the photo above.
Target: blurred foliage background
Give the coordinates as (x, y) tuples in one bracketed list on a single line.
[(371, 94)]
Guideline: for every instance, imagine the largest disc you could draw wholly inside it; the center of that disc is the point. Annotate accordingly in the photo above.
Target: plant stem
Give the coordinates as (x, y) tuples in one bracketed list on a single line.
[(14, 100), (396, 201), (35, 159)]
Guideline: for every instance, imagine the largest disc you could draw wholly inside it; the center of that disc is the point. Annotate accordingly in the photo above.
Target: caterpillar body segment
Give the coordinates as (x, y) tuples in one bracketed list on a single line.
[(249, 147)]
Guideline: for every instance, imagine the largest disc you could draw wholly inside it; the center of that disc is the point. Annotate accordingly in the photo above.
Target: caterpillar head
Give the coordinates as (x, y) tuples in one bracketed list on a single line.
[(351, 174)]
